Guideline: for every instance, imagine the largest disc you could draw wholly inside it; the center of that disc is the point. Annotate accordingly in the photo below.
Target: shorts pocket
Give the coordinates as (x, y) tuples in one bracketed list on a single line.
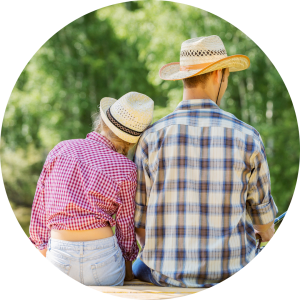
[(109, 270), (58, 270)]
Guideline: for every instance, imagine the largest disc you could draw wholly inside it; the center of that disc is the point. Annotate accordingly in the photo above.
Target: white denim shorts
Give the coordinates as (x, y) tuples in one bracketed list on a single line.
[(98, 262)]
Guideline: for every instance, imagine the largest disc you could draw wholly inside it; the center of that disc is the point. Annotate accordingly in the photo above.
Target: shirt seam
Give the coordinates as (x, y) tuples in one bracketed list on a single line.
[(92, 167), (189, 125)]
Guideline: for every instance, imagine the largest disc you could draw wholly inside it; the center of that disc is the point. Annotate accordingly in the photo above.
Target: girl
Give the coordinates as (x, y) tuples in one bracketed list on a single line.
[(84, 182)]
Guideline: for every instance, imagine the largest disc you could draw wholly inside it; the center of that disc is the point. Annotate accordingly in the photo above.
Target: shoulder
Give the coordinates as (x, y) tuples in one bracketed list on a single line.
[(241, 126), (247, 135), (123, 163), (154, 128), (64, 147), (118, 167), (94, 154)]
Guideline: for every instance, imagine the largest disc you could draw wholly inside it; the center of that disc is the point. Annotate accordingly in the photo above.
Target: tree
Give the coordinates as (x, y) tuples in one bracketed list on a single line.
[(257, 95), (58, 93), (118, 49)]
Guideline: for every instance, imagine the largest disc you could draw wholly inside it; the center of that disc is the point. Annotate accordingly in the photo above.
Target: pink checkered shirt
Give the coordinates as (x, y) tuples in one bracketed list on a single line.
[(83, 183)]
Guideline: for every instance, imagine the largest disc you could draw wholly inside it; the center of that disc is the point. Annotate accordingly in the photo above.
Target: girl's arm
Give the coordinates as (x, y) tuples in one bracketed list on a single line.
[(128, 273), (39, 233), (125, 223)]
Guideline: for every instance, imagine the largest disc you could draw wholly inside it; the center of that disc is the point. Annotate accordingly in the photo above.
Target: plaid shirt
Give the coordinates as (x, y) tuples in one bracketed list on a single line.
[(203, 181), (83, 183)]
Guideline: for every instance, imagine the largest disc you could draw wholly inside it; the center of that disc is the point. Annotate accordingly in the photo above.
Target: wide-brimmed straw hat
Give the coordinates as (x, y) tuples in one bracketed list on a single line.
[(202, 55), (129, 116)]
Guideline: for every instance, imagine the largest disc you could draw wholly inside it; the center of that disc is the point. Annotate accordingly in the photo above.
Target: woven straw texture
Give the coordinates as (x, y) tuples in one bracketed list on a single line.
[(203, 50), (133, 110), (208, 49)]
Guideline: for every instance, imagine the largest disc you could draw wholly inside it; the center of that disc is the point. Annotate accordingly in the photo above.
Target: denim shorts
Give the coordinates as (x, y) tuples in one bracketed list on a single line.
[(98, 262)]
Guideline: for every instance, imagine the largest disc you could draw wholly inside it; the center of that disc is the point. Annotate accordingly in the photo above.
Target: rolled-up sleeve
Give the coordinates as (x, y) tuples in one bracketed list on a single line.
[(39, 232), (262, 207), (125, 232), (141, 161)]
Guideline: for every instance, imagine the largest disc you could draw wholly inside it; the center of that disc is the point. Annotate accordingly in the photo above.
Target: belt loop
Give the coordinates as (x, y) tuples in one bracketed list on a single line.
[(49, 244), (81, 248)]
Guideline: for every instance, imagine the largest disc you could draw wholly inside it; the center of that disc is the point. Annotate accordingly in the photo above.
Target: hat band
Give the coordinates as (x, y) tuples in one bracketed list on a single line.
[(120, 126), (195, 67)]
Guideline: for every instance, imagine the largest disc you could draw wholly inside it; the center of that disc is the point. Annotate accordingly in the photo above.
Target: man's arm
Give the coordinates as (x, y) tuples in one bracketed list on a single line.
[(262, 207), (140, 236), (143, 184), (143, 190)]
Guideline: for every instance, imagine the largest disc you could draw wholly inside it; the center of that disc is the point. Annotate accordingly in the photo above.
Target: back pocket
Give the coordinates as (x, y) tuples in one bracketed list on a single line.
[(108, 270), (60, 263)]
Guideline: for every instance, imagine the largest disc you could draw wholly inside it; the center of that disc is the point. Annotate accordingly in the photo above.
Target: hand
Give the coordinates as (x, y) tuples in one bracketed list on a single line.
[(128, 271), (43, 251), (129, 277), (265, 235)]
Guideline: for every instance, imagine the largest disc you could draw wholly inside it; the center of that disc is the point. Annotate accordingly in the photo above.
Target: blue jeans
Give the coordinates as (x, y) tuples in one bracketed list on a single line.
[(142, 272), (98, 262)]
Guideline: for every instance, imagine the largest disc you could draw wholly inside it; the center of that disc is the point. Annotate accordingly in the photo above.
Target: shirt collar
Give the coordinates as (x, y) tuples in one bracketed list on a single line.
[(197, 104), (95, 136)]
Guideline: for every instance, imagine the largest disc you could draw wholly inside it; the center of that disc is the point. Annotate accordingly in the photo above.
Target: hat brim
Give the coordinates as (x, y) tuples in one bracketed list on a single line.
[(234, 63), (105, 104)]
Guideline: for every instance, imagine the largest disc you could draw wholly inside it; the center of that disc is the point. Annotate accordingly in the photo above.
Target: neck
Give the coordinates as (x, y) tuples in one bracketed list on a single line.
[(120, 146), (198, 93), (106, 134)]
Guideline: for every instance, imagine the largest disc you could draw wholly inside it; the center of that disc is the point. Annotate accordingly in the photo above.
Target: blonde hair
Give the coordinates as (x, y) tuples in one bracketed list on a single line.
[(120, 145)]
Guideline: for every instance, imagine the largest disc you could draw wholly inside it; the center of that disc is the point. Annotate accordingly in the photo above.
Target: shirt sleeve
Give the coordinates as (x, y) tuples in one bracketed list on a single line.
[(262, 207), (143, 184), (39, 232), (125, 232)]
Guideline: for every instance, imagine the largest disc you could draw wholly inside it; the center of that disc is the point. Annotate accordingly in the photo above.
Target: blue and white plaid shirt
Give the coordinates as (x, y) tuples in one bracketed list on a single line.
[(203, 181)]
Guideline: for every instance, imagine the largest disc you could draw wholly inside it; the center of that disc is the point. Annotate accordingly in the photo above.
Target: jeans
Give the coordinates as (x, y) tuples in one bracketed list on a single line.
[(98, 262), (142, 272)]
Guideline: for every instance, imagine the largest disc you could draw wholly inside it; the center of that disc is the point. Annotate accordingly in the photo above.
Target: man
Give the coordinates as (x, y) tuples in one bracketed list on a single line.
[(203, 180)]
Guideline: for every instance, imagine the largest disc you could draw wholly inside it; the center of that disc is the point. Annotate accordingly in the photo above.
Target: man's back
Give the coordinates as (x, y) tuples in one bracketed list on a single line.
[(203, 181)]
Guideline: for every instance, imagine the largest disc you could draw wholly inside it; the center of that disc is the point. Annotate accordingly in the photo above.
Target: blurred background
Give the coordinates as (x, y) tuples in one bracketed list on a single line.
[(121, 48)]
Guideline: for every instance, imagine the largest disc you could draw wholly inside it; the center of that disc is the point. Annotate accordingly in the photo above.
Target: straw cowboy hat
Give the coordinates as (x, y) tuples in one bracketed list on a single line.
[(129, 116), (202, 55)]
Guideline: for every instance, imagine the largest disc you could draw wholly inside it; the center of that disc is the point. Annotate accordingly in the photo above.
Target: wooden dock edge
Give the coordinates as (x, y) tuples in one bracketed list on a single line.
[(58, 292)]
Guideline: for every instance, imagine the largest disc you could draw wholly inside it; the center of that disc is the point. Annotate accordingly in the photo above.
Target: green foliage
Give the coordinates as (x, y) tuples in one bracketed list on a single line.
[(21, 169), (62, 85), (121, 48), (257, 95)]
